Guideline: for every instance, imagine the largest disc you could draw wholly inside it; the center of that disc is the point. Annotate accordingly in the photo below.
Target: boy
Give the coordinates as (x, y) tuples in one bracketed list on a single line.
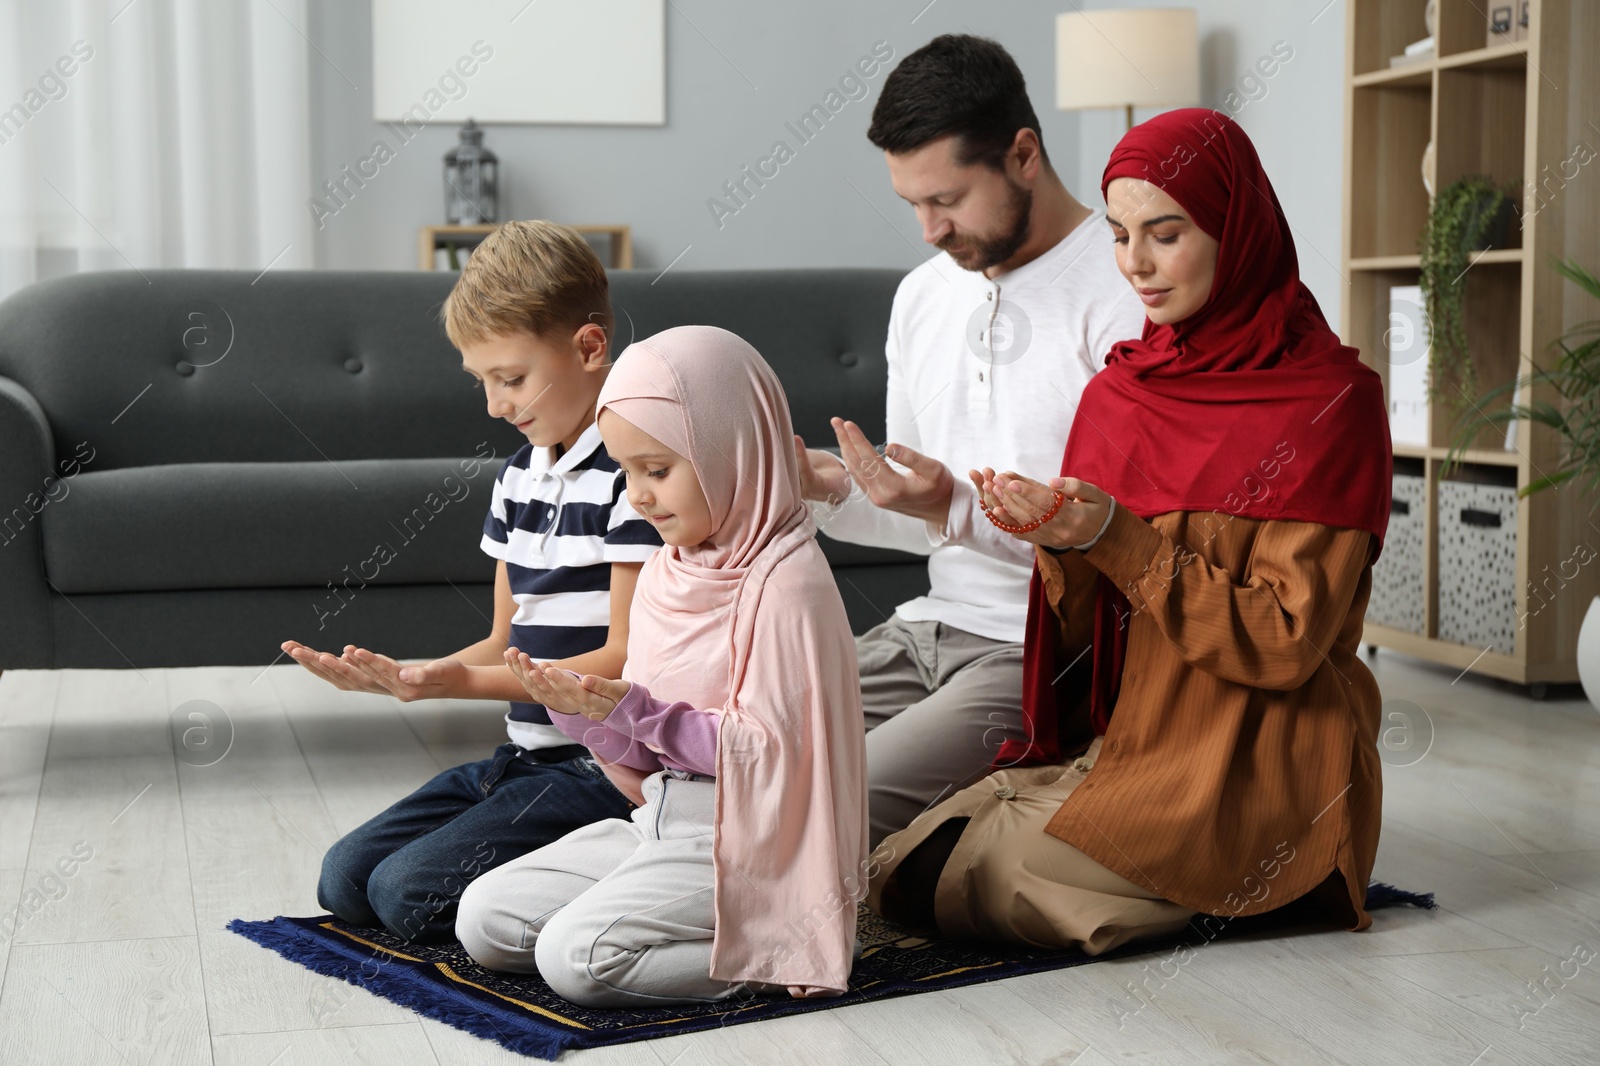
[(531, 315)]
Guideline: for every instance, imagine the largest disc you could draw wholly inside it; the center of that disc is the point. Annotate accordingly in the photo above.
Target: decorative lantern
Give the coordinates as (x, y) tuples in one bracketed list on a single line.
[(471, 180)]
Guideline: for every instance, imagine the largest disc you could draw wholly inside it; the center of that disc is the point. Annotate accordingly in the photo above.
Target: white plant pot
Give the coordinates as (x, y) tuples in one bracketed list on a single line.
[(1589, 653)]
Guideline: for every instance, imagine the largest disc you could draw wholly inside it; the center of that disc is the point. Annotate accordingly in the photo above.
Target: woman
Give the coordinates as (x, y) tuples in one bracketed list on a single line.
[(1202, 569)]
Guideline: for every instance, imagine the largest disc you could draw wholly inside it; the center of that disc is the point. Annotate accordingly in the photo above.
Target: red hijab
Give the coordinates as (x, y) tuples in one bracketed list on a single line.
[(1250, 406)]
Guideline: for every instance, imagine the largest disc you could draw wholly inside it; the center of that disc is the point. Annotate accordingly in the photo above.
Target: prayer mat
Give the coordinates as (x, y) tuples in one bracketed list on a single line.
[(521, 1013)]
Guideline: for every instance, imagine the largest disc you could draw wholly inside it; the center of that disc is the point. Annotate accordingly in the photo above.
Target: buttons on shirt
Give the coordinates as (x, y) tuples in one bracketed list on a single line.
[(1005, 792)]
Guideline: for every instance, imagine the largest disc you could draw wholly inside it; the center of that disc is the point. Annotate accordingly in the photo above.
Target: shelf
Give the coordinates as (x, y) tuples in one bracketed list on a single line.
[(1414, 262), (1512, 56), (1387, 262), (1484, 457), (1498, 256), (1481, 456), (1460, 656), (1418, 75), (614, 243)]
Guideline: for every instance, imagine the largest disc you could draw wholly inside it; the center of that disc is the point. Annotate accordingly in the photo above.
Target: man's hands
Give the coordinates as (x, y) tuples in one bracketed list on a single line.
[(922, 490), (360, 670), (559, 690), (1016, 500)]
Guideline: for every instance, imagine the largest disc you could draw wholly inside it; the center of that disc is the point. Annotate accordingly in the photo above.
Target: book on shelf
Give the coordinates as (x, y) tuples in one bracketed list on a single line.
[(1406, 342), (1416, 52)]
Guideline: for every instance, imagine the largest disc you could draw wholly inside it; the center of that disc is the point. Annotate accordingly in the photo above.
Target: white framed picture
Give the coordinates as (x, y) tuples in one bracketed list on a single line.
[(574, 62)]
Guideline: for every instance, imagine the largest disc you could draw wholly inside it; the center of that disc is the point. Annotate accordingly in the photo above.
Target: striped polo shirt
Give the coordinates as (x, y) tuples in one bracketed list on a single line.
[(559, 526)]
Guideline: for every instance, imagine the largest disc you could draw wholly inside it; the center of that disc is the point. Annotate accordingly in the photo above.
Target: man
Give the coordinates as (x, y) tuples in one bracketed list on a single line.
[(990, 344)]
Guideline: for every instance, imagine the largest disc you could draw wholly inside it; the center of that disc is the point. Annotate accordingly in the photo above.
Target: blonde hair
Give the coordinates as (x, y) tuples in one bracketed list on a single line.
[(528, 276)]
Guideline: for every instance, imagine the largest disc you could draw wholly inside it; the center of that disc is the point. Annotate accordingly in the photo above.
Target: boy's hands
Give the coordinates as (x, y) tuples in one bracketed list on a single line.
[(562, 691), (360, 670), (332, 669)]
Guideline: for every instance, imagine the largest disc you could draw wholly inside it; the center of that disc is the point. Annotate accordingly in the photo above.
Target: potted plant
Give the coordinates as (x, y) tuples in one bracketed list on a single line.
[(1470, 214), (1576, 421)]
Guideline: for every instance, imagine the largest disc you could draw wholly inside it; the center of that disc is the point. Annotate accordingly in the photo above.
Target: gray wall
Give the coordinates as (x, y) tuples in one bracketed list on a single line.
[(737, 72)]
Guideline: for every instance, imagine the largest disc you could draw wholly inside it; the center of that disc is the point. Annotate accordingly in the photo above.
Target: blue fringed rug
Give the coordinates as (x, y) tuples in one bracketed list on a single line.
[(522, 1014)]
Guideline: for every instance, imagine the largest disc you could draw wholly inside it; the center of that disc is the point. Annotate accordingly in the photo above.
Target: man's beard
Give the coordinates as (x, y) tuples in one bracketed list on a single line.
[(981, 253)]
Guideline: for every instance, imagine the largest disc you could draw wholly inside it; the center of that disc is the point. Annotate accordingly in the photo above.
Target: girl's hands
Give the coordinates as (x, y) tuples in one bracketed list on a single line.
[(1016, 500), (563, 691)]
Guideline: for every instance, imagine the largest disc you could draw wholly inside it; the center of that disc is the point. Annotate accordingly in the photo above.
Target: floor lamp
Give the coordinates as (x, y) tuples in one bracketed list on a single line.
[(1147, 57)]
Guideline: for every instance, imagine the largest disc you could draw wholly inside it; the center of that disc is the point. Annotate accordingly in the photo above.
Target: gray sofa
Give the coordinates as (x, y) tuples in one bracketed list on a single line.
[(197, 465)]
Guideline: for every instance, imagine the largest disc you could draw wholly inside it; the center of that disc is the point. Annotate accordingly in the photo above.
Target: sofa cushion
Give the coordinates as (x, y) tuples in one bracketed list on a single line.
[(207, 366), (273, 525), (266, 525)]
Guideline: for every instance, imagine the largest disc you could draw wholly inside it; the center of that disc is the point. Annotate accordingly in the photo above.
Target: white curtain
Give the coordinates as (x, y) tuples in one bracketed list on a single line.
[(152, 133)]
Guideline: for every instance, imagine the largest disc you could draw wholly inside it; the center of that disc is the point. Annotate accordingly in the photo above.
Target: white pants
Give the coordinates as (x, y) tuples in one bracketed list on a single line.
[(615, 914)]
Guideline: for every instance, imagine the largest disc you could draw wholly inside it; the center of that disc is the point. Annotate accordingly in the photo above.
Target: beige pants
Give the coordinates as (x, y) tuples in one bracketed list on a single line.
[(1008, 879)]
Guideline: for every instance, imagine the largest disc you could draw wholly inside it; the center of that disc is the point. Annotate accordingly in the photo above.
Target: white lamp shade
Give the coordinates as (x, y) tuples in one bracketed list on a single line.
[(1133, 58)]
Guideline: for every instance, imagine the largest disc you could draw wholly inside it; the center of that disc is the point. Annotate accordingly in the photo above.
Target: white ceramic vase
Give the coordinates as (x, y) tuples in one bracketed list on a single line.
[(1589, 652)]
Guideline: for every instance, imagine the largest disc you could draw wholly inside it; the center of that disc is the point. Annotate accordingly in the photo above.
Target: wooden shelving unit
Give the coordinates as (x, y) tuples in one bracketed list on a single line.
[(1515, 111)]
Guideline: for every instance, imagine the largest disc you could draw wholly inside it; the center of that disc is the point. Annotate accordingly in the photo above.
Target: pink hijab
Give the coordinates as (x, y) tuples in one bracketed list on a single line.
[(750, 624)]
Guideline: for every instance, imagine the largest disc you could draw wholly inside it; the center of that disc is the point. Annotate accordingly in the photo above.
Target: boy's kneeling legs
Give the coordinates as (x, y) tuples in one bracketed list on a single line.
[(339, 888), (414, 903)]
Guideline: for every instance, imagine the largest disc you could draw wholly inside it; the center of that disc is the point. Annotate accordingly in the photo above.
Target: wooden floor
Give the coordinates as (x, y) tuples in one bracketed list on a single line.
[(143, 857)]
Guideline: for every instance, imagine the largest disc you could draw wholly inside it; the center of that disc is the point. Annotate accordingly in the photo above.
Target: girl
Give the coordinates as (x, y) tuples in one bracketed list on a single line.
[(1203, 568), (739, 871)]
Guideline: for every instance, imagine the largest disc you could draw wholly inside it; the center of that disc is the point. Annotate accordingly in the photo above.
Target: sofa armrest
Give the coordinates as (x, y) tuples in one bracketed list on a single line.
[(26, 639)]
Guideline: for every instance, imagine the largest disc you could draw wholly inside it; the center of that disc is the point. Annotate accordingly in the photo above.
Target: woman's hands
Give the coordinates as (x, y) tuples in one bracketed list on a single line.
[(562, 691), (1016, 500), (360, 670)]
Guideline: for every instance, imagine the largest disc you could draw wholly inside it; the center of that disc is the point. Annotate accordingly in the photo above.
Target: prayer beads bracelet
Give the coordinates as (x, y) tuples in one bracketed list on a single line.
[(1026, 527)]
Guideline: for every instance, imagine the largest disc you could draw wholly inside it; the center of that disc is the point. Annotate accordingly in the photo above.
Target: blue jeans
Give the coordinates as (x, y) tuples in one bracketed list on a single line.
[(405, 868)]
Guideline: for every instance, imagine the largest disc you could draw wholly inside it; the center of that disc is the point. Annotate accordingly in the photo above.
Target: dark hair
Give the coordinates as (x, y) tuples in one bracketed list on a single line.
[(955, 84)]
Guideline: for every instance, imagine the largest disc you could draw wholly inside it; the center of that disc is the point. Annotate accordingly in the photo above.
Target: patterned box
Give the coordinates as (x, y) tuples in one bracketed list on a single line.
[(1397, 599), (1478, 565)]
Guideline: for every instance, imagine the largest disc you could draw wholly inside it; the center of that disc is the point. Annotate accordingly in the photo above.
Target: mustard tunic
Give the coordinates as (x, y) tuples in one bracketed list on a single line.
[(1240, 769)]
